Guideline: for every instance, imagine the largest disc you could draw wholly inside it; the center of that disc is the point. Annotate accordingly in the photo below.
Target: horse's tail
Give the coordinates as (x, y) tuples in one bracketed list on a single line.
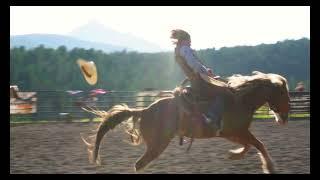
[(111, 119)]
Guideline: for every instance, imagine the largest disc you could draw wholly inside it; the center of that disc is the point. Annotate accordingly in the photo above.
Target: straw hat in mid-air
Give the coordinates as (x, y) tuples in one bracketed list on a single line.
[(89, 71)]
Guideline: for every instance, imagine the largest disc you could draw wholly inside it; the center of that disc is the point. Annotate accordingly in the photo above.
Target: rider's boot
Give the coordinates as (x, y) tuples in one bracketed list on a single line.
[(214, 114)]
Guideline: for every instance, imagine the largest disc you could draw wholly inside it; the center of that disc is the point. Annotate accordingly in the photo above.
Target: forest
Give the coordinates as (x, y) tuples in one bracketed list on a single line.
[(43, 68)]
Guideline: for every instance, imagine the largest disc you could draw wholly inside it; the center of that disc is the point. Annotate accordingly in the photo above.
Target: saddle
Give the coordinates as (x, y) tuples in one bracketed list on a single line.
[(190, 101)]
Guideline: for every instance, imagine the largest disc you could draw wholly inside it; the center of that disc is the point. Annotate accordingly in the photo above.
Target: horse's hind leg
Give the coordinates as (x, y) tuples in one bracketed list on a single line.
[(157, 128), (152, 152), (267, 164)]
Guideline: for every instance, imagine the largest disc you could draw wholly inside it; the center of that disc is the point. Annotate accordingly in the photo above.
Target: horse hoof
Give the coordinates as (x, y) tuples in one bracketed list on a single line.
[(267, 166), (138, 167), (269, 170), (236, 154)]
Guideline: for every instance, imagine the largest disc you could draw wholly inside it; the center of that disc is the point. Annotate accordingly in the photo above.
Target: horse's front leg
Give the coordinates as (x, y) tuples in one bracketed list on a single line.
[(239, 153), (240, 138), (267, 164)]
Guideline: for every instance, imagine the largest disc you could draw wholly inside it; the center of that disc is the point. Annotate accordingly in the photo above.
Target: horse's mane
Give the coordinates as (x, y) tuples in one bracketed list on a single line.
[(241, 84)]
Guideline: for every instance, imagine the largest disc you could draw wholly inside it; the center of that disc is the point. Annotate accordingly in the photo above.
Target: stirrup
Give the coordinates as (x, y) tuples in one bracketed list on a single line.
[(218, 132), (208, 120)]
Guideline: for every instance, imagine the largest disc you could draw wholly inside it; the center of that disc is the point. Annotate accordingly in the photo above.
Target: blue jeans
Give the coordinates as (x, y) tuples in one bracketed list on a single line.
[(215, 111)]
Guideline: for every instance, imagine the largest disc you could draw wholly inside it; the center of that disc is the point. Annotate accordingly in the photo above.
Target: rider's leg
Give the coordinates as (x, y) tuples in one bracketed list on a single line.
[(215, 111)]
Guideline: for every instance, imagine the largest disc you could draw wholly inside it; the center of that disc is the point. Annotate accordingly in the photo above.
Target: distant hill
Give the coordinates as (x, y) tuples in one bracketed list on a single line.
[(54, 41), (97, 32), (91, 35)]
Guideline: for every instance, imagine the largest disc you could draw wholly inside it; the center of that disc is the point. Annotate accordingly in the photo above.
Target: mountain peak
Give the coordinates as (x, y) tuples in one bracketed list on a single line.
[(96, 31), (94, 25)]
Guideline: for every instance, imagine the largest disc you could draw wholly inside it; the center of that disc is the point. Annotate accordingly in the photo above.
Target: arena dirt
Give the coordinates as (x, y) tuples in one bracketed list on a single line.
[(58, 148)]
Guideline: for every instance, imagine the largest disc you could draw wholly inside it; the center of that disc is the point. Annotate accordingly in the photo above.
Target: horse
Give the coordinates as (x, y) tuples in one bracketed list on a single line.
[(157, 124)]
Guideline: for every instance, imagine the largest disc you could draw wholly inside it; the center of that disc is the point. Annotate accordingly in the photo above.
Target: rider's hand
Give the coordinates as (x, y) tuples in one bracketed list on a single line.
[(210, 72)]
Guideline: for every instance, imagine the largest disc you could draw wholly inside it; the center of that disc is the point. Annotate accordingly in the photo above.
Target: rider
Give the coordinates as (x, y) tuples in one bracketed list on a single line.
[(192, 68)]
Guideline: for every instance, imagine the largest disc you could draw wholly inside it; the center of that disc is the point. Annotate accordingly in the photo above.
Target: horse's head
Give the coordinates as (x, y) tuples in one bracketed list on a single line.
[(279, 98)]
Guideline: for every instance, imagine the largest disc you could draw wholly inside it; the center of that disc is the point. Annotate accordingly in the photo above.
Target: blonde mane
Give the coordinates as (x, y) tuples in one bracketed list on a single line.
[(241, 84)]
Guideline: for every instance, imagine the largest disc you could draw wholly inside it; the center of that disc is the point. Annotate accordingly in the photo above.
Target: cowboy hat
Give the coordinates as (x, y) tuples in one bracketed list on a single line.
[(89, 71)]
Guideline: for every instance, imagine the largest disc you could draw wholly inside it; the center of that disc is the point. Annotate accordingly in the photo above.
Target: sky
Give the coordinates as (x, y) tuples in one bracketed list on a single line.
[(209, 26)]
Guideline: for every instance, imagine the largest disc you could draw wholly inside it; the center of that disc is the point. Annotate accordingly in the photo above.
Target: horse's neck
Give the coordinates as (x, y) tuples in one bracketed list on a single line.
[(255, 98)]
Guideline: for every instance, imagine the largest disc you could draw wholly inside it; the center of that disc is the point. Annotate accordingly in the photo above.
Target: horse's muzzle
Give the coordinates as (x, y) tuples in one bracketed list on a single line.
[(281, 118)]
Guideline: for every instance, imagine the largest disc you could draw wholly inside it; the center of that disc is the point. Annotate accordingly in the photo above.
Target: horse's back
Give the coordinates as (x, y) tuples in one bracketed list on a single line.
[(160, 117)]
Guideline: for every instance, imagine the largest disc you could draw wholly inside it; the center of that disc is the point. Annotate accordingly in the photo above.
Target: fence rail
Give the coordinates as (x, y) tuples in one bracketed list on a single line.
[(55, 105)]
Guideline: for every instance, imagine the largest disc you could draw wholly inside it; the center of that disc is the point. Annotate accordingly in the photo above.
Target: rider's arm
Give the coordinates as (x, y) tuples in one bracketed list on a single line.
[(184, 82), (192, 61)]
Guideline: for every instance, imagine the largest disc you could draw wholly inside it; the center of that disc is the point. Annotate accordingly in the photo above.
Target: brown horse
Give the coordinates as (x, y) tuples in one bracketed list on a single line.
[(164, 119)]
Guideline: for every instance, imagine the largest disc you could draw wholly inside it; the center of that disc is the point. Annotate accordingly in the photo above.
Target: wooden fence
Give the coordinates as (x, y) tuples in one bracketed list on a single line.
[(55, 105)]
